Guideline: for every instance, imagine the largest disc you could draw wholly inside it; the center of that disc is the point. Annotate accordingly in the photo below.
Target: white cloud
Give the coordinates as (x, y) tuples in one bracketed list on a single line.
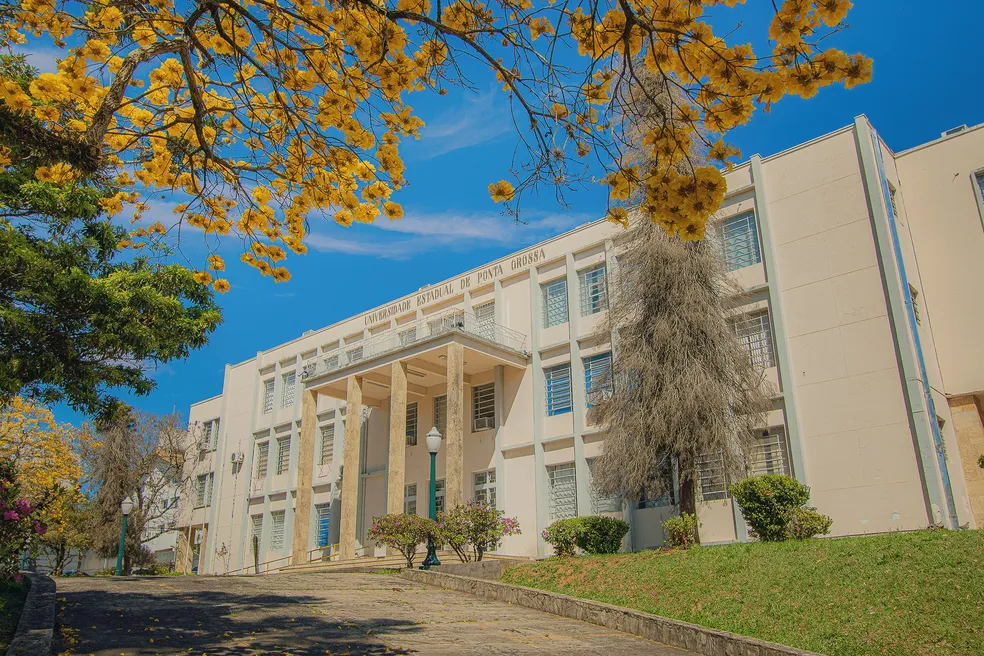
[(482, 118), (42, 59)]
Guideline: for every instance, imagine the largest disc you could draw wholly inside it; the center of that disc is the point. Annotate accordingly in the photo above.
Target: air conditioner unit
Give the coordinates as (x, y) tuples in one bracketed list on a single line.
[(952, 131), (484, 423), (237, 457)]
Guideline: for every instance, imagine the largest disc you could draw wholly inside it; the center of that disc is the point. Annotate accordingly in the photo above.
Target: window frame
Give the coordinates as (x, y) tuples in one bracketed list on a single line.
[(288, 389), (593, 374), (599, 502), (557, 304), (488, 486), (277, 542), (322, 511), (737, 258), (412, 421), (591, 301), (440, 495), (327, 431), (485, 320), (553, 481), (283, 455), (262, 459), (760, 345), (441, 403), (557, 407), (483, 406), (407, 497), (269, 389), (256, 530)]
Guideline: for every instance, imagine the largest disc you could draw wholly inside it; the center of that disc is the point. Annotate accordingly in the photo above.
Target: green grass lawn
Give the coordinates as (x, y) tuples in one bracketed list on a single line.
[(11, 601), (899, 593)]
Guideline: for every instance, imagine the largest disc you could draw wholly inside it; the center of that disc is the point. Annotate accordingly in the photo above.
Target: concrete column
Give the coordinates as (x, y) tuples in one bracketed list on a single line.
[(305, 465), (395, 476), (965, 412), (350, 474), (454, 460)]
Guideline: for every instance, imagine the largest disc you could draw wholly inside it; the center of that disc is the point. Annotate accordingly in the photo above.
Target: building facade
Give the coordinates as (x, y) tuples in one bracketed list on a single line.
[(861, 268)]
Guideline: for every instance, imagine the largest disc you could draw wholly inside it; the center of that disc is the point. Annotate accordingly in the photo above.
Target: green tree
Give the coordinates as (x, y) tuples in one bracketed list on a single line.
[(77, 320)]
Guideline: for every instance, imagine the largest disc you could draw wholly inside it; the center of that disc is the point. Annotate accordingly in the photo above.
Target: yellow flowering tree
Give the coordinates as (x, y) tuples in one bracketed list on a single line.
[(261, 114)]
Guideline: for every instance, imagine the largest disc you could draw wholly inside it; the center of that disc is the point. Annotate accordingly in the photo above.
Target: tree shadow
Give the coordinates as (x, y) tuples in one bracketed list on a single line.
[(106, 621)]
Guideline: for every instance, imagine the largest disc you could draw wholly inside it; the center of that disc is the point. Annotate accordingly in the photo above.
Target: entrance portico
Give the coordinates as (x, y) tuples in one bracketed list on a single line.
[(408, 365)]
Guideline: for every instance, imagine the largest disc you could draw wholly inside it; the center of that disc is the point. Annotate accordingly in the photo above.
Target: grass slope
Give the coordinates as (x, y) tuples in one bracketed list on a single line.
[(900, 593)]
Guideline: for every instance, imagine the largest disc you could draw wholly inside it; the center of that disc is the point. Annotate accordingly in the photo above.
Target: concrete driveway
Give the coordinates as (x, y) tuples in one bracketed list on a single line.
[(314, 613)]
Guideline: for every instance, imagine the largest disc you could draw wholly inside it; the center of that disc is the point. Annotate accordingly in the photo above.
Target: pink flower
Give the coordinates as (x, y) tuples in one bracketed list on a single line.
[(17, 578), (11, 516), (39, 528), (24, 507)]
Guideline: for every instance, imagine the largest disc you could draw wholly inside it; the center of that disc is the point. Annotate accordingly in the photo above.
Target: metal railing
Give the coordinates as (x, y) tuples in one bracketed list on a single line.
[(262, 568), (452, 321)]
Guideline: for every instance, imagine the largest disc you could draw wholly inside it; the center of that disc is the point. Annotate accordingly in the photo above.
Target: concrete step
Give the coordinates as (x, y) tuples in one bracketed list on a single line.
[(364, 563)]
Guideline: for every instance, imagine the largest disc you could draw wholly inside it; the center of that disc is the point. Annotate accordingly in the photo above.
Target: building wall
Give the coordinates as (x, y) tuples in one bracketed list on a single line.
[(856, 426)]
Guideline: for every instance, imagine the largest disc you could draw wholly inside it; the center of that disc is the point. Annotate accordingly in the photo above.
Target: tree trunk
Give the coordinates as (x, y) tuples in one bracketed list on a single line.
[(688, 500)]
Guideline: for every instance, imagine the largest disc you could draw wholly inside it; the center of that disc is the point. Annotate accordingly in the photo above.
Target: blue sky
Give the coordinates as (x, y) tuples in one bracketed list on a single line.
[(926, 80)]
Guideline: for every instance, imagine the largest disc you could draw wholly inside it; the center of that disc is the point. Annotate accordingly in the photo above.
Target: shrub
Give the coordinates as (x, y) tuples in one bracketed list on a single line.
[(766, 502), (401, 532), (562, 534), (19, 523), (681, 530), (475, 524), (805, 523), (600, 535)]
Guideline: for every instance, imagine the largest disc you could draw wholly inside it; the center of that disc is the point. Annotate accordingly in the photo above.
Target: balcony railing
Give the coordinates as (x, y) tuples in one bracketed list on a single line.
[(452, 321)]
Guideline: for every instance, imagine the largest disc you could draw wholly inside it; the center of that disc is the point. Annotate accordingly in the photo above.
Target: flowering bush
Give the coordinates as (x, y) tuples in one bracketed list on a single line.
[(401, 532), (562, 534), (19, 522), (476, 524)]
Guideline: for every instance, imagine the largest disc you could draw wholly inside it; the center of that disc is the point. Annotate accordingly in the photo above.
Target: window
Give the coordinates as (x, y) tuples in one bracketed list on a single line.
[(439, 496), (354, 355), (598, 377), (713, 482), (283, 454), (554, 302), (410, 499), (913, 294), (894, 201), (769, 455), (262, 459), (287, 394), (594, 290), (327, 444), (483, 407), (980, 184), (412, 424), (485, 487), (210, 435), (599, 502), (558, 389), (740, 241), (563, 491), (203, 490), (441, 413), (754, 332), (331, 362), (277, 534), (408, 336), (324, 522), (257, 537), (485, 320), (268, 396)]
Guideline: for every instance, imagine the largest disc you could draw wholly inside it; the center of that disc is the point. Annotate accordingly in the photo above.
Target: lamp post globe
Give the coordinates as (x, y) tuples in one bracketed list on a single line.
[(433, 446), (126, 507)]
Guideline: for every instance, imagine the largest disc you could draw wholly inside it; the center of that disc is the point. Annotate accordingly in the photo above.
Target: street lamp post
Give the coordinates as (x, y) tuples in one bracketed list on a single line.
[(433, 446), (126, 507)]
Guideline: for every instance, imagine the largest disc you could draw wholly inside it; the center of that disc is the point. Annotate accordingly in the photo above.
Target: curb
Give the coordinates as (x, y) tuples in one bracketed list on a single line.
[(36, 628), (699, 639)]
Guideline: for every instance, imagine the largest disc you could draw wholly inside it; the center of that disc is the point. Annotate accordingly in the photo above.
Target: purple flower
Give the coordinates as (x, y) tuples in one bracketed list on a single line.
[(23, 507), (11, 516), (39, 528)]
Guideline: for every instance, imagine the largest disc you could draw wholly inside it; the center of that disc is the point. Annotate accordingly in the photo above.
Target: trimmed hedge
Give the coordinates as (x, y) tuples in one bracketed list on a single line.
[(591, 534)]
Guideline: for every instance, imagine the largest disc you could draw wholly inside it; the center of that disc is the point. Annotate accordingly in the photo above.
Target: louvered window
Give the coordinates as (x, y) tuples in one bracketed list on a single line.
[(739, 237), (410, 499), (324, 523), (283, 455), (558, 381), (201, 483), (600, 503), (597, 377), (563, 491), (412, 424), (277, 533), (554, 302), (354, 355), (439, 495), (327, 443), (980, 185), (770, 455), (594, 290), (485, 320), (713, 482), (268, 396), (754, 331), (262, 459), (257, 537), (483, 407), (485, 487), (287, 395), (441, 414)]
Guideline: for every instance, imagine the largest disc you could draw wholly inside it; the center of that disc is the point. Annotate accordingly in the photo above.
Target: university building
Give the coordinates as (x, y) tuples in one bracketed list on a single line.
[(864, 270)]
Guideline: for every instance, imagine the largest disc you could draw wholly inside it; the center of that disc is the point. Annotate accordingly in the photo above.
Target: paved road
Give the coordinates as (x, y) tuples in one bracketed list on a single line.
[(301, 614)]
